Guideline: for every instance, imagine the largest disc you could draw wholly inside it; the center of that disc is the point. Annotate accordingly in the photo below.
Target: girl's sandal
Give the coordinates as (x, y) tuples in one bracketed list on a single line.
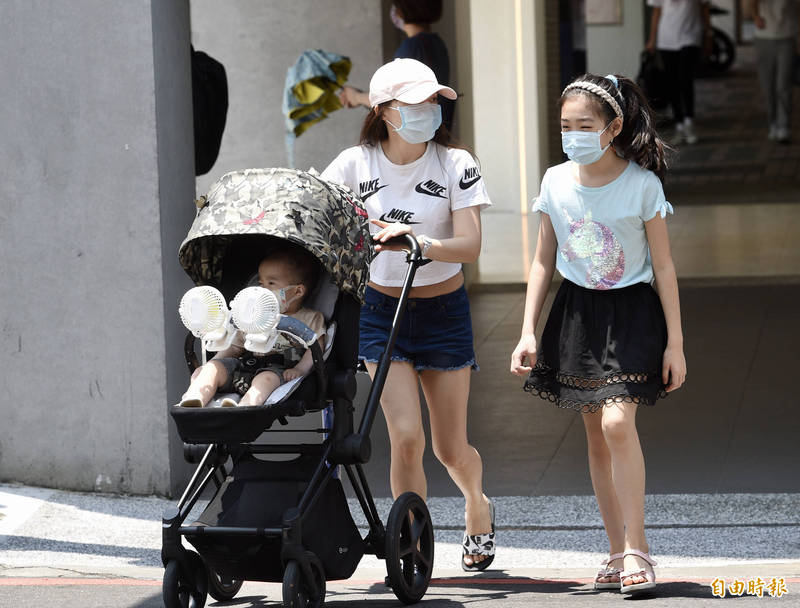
[(646, 573), (608, 572), (479, 544)]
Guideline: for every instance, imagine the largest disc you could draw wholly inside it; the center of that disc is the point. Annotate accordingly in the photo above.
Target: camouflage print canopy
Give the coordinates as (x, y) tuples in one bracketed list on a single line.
[(325, 218)]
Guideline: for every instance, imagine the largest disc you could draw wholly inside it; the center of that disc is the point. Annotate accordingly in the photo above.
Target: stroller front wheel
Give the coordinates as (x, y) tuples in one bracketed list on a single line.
[(296, 589), (409, 548), (177, 591), (222, 589)]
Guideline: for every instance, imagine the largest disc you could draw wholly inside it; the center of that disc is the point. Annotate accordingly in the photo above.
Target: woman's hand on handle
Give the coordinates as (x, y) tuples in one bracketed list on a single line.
[(524, 352), (673, 368), (389, 231)]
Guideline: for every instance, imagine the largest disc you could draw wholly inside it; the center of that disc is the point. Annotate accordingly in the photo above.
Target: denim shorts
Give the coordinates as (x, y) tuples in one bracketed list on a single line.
[(435, 333)]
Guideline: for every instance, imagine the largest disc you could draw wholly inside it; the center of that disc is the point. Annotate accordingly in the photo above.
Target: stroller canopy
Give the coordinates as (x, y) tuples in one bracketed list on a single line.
[(325, 218)]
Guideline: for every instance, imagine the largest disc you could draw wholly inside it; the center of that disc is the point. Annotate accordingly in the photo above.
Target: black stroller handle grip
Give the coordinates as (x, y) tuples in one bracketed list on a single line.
[(409, 240)]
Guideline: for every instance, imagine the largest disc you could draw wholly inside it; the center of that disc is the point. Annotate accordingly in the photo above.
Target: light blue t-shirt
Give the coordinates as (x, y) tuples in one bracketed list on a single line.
[(602, 242)]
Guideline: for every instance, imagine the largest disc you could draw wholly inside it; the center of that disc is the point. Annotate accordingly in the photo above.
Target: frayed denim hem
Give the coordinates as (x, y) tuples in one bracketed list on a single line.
[(471, 363)]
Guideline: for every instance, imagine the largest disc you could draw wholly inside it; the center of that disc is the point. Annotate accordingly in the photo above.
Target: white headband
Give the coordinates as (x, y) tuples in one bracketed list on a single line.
[(600, 92)]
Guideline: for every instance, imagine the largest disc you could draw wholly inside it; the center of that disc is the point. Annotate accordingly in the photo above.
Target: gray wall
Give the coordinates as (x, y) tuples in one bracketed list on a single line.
[(96, 189), (257, 40)]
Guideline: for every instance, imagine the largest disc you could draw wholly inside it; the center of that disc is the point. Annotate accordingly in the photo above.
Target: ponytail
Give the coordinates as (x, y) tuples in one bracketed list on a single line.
[(638, 141)]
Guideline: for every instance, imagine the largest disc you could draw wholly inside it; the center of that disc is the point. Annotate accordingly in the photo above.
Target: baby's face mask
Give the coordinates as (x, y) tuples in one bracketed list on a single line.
[(284, 300)]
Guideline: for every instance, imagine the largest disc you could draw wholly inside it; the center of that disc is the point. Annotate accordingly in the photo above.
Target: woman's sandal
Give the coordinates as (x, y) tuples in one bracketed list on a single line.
[(608, 572), (479, 544), (646, 573)]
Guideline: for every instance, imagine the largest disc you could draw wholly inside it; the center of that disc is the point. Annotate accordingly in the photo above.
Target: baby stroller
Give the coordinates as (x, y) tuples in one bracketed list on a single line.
[(288, 521)]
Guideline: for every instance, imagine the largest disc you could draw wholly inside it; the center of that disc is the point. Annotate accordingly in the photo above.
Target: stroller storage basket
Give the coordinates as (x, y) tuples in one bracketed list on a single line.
[(256, 495)]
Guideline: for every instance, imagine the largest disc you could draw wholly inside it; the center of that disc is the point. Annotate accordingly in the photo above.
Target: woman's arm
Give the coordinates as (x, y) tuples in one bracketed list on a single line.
[(464, 246), (539, 279), (655, 17), (674, 367)]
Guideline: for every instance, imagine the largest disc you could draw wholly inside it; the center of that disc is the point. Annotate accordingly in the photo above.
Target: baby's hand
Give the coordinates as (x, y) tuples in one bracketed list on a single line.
[(291, 374)]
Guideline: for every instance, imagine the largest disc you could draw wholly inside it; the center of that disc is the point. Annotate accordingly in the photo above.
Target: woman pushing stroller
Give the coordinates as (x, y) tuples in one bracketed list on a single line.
[(415, 181)]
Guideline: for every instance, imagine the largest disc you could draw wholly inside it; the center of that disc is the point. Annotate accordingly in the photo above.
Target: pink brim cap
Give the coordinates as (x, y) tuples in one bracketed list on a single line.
[(406, 80)]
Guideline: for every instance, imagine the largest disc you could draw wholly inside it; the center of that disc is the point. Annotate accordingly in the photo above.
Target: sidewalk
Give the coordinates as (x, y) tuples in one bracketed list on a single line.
[(51, 537)]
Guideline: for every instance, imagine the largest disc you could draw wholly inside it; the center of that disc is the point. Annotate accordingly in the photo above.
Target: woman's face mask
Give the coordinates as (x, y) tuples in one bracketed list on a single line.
[(397, 20), (418, 123), (583, 147)]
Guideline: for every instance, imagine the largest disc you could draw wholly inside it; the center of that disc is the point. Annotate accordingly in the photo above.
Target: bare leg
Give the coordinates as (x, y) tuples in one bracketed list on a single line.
[(627, 463), (260, 388), (603, 484), (401, 408), (205, 382), (447, 393)]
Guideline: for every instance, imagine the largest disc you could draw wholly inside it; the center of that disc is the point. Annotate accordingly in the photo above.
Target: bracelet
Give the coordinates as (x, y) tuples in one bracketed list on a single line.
[(426, 244)]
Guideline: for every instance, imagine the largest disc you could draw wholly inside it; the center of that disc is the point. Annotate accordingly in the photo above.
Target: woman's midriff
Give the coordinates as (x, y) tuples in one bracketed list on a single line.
[(424, 291)]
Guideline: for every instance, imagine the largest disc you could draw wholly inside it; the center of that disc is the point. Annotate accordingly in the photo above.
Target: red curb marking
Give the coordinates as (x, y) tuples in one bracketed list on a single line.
[(135, 582)]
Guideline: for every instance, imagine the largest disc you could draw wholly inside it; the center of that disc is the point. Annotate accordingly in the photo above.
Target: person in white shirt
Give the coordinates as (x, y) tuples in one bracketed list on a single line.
[(414, 180), (775, 42), (679, 29)]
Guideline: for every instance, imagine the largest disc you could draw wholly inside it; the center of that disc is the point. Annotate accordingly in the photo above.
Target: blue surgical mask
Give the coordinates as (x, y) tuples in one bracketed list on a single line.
[(583, 147), (418, 123)]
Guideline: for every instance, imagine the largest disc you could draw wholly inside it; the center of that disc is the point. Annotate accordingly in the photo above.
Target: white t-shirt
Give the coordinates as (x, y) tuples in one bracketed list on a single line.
[(423, 193), (600, 231), (780, 19), (681, 23)]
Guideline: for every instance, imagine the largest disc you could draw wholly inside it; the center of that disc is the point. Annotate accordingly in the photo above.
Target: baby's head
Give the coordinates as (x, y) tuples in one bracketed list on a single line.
[(291, 269)]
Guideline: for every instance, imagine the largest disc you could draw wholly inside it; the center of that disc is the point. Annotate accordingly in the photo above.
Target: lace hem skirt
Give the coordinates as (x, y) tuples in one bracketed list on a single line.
[(601, 347)]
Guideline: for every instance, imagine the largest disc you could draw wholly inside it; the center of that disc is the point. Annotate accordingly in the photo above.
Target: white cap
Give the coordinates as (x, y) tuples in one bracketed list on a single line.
[(406, 80)]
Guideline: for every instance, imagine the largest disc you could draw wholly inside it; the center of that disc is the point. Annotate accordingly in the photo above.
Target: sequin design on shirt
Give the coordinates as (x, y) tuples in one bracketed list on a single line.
[(598, 249)]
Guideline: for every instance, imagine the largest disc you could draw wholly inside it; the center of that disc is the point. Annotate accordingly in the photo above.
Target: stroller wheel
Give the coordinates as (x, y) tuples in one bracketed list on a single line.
[(177, 591), (221, 588), (409, 548), (296, 590)]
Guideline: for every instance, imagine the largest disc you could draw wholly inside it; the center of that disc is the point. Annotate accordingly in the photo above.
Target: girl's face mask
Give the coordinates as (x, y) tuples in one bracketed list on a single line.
[(583, 147), (283, 301), (418, 123)]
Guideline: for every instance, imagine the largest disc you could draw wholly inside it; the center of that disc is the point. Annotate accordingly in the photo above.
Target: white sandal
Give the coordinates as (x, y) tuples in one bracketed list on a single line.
[(607, 571), (647, 573)]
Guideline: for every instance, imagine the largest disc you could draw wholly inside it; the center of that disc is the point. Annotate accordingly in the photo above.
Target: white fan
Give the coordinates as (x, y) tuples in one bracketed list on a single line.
[(205, 313), (256, 312)]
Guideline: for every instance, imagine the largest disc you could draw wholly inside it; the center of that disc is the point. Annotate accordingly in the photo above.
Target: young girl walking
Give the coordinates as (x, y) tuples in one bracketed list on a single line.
[(611, 342)]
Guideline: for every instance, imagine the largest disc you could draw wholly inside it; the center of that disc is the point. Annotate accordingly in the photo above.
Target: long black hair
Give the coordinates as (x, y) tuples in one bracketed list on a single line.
[(638, 141)]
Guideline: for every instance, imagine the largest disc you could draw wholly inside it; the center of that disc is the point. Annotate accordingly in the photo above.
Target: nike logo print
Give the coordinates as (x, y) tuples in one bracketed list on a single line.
[(431, 188), (366, 195), (471, 176), (396, 215)]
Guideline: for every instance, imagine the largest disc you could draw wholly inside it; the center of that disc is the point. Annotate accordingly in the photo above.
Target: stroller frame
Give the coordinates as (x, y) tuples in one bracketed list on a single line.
[(406, 542)]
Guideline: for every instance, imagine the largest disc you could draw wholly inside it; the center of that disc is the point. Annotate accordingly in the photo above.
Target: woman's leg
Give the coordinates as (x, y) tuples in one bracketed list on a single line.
[(260, 388), (447, 393), (687, 61), (401, 408), (627, 465), (205, 382), (671, 61), (603, 484)]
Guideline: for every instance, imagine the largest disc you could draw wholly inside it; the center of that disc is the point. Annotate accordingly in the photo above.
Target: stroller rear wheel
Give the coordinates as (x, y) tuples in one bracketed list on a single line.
[(409, 548), (221, 588), (296, 589), (177, 591)]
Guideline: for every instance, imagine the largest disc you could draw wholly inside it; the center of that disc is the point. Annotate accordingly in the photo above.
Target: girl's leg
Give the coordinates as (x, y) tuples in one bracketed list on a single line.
[(603, 484), (205, 382), (401, 408), (260, 388), (447, 393), (627, 464)]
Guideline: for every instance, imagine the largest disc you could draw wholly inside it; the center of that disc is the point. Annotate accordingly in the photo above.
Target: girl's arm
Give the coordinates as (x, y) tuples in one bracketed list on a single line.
[(539, 279), (674, 366), (464, 246)]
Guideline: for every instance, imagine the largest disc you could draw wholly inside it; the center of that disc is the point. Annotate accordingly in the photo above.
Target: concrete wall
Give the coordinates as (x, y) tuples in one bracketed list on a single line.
[(91, 159), (616, 48), (257, 41)]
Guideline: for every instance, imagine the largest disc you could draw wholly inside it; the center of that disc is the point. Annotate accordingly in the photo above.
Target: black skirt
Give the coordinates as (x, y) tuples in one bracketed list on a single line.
[(601, 347)]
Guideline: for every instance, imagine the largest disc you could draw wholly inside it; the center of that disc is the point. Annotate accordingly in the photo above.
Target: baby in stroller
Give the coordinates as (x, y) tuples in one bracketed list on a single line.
[(290, 272)]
